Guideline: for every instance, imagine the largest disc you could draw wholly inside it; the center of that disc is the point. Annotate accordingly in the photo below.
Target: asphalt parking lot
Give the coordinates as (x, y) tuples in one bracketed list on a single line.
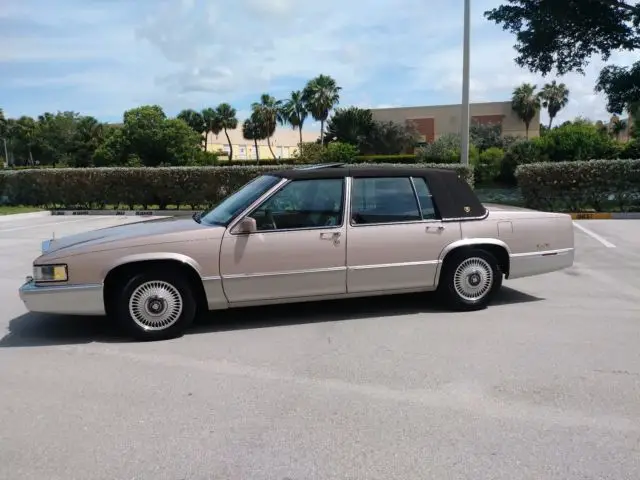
[(545, 384)]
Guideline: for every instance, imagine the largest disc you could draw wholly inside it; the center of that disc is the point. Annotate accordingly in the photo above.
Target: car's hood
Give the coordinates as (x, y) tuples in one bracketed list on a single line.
[(132, 235)]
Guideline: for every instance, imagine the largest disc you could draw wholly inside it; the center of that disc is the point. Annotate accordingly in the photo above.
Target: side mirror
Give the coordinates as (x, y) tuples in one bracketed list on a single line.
[(246, 225)]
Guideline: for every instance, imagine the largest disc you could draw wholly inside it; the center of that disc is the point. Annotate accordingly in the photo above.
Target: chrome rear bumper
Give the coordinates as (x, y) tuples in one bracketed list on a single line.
[(63, 299)]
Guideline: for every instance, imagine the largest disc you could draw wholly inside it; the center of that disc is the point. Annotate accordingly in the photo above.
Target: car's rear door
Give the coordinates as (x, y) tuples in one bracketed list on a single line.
[(394, 236), (299, 249)]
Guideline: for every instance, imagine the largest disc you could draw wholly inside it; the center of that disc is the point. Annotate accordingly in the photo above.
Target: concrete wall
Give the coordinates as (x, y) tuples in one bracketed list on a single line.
[(284, 143), (433, 121)]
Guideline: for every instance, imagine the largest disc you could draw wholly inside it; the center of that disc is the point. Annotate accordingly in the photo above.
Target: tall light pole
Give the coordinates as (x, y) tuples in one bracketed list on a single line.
[(465, 113)]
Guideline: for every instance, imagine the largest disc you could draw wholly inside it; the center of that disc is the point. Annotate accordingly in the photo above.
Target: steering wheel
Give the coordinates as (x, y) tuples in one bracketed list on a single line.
[(268, 215)]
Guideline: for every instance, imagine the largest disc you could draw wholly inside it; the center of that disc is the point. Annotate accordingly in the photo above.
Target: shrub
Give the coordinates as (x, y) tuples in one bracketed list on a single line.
[(338, 152), (578, 186), (309, 152), (577, 141), (486, 167), (445, 149), (631, 149), (117, 187), (520, 152)]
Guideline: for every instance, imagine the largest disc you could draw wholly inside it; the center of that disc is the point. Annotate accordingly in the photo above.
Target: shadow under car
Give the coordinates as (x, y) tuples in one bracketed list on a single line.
[(36, 329)]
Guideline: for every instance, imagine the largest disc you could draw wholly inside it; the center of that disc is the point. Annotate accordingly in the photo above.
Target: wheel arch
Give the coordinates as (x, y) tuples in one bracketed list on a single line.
[(129, 266), (499, 249)]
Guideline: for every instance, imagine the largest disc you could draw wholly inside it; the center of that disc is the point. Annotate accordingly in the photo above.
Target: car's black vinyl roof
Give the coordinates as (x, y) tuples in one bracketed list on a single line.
[(340, 171), (454, 196)]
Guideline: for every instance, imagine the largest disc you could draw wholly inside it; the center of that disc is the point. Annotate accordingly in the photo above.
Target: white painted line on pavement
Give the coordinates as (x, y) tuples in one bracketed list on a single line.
[(594, 235)]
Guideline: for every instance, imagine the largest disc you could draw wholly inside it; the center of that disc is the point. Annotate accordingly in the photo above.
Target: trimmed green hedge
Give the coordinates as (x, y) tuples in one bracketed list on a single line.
[(95, 188), (599, 185)]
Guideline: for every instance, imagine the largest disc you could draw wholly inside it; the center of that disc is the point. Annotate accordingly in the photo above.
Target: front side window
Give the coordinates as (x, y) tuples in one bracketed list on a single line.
[(383, 200), (235, 203), (302, 204)]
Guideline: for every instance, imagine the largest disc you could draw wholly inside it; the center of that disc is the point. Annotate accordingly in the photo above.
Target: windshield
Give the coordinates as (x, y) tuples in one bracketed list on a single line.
[(235, 203)]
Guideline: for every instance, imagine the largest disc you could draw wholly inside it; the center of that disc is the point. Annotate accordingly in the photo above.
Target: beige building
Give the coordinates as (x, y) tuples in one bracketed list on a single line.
[(284, 143), (433, 121)]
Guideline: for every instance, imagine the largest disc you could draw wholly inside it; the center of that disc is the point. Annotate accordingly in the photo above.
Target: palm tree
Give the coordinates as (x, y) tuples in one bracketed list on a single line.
[(321, 94), (617, 127), (554, 97), (227, 120), (526, 103), (268, 113), (251, 131), (210, 118), (196, 121), (294, 111)]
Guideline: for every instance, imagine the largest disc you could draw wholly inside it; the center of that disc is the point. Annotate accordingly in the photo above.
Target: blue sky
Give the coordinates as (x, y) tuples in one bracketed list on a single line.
[(101, 57)]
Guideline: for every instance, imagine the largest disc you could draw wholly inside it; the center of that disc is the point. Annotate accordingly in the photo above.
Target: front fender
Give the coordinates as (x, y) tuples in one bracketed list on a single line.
[(148, 256)]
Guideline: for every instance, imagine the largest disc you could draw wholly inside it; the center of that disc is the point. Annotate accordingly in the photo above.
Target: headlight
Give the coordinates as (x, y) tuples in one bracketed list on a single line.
[(50, 273)]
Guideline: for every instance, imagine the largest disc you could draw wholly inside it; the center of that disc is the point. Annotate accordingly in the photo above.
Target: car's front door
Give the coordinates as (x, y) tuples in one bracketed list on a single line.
[(395, 236), (299, 247)]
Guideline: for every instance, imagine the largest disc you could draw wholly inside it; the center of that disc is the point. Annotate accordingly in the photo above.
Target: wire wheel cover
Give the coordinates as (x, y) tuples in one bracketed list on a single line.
[(155, 305), (473, 279)]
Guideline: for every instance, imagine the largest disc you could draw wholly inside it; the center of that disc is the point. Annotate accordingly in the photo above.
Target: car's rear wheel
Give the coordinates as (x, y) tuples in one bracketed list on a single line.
[(156, 305), (469, 279)]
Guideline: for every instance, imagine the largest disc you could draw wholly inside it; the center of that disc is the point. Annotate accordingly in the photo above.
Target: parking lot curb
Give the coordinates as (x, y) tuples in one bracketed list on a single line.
[(605, 216), (20, 216), (124, 213)]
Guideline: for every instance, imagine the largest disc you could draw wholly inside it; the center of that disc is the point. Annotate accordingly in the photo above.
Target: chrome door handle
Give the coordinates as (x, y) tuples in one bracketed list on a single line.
[(436, 227), (329, 236)]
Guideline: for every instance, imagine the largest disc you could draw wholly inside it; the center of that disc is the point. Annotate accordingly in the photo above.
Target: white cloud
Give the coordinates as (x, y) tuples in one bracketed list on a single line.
[(106, 56)]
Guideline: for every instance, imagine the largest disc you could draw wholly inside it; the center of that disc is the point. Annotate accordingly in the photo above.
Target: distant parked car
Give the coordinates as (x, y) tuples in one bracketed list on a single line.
[(316, 233)]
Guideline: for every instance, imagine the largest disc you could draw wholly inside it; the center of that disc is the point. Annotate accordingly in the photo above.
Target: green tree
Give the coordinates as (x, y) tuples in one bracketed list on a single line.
[(143, 131), (251, 131), (321, 95), (212, 123), (226, 120), (526, 103), (195, 120), (24, 132), (114, 148), (4, 150), (356, 126), (294, 111), (486, 135), (554, 97), (390, 138), (268, 112), (181, 143), (352, 125), (87, 137), (622, 87), (564, 35)]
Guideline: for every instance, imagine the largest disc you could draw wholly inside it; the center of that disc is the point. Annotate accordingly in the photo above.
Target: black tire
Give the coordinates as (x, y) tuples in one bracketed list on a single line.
[(173, 288), (452, 292)]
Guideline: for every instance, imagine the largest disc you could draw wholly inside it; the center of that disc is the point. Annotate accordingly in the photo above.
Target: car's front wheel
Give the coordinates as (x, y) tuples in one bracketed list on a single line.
[(156, 305), (469, 279)]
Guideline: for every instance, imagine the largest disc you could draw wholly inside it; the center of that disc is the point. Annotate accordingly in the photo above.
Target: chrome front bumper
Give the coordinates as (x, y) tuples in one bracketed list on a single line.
[(63, 299)]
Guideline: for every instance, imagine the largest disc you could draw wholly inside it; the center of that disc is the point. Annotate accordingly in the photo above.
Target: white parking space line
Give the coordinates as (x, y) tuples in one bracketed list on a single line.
[(594, 235)]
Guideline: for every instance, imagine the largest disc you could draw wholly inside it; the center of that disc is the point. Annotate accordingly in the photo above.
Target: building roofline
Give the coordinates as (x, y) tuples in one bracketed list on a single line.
[(415, 107)]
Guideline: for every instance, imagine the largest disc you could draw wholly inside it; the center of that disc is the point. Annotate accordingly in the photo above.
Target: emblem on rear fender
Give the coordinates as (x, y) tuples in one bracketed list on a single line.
[(467, 209)]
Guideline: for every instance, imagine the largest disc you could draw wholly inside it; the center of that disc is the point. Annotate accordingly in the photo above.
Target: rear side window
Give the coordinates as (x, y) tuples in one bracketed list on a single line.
[(383, 200), (427, 207)]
